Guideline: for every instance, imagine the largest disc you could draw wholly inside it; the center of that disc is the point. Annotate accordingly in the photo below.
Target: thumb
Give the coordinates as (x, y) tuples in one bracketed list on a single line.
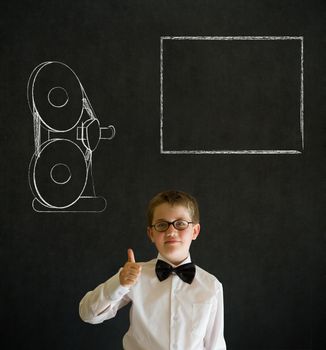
[(131, 256)]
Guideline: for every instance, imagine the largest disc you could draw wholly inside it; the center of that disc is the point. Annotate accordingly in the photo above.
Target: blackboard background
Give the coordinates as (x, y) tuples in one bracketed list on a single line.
[(263, 225)]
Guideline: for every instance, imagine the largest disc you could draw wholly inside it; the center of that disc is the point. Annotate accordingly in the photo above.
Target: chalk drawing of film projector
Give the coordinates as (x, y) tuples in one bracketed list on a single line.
[(66, 133)]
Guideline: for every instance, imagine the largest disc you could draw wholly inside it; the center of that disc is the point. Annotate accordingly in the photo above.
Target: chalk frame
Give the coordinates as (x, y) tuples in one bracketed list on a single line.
[(249, 151)]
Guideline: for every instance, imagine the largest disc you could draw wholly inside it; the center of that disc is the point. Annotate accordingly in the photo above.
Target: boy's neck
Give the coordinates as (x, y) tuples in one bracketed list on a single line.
[(175, 263)]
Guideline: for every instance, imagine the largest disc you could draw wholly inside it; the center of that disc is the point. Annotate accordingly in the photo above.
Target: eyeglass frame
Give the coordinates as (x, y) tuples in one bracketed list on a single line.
[(171, 223)]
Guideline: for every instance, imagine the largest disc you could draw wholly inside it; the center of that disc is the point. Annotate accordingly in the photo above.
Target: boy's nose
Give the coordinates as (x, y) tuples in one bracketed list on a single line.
[(171, 230)]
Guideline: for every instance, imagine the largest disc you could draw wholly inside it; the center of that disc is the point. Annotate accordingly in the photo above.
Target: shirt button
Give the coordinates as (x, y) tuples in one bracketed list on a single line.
[(175, 318)]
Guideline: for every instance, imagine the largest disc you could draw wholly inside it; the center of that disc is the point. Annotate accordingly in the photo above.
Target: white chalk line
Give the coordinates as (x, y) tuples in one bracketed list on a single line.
[(284, 37), (233, 152)]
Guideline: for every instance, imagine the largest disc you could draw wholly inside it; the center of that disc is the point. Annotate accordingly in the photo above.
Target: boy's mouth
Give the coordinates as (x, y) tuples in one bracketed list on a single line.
[(172, 241)]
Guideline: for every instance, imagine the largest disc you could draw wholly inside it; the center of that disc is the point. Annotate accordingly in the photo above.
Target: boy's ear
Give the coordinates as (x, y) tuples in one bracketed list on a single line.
[(196, 231), (150, 234)]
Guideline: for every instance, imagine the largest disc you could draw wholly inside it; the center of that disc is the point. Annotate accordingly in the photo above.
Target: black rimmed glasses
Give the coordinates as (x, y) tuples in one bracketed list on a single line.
[(177, 224)]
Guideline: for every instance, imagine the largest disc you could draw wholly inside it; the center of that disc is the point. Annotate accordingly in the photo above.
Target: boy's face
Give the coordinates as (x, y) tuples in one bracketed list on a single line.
[(173, 244)]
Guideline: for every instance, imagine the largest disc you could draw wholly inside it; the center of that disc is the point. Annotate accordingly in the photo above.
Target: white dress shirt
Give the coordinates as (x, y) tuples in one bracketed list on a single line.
[(167, 315)]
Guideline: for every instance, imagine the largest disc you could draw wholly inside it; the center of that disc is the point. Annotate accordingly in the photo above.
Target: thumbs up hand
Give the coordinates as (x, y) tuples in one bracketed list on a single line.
[(131, 271)]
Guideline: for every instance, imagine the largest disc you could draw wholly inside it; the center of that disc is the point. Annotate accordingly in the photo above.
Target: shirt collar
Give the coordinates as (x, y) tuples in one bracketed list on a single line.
[(187, 260)]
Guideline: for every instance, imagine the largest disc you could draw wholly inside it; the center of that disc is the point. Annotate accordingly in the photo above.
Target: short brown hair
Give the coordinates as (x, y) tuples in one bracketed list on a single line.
[(174, 198)]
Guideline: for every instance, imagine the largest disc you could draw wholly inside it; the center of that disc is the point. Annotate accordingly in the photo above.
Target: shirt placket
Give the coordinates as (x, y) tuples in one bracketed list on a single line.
[(174, 317)]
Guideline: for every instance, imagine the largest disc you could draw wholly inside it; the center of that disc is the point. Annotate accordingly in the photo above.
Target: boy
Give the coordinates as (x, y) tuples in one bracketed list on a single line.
[(175, 304)]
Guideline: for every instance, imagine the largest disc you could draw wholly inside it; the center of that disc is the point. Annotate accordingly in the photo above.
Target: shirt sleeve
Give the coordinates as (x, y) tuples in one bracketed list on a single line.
[(214, 339), (104, 301)]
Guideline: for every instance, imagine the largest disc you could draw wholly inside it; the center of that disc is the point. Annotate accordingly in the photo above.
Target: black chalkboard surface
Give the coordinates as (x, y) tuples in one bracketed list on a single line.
[(106, 103)]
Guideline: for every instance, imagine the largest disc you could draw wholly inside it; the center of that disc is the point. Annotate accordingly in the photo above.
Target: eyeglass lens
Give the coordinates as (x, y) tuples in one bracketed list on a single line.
[(164, 225)]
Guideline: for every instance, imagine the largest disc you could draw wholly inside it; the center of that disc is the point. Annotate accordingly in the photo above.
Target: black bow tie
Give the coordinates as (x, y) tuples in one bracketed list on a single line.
[(186, 271)]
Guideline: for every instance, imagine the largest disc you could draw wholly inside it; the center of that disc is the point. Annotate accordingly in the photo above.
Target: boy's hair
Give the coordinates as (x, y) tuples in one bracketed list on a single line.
[(173, 197)]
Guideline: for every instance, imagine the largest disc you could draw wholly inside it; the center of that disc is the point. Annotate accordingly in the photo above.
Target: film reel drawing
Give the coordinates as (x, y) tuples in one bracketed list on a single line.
[(66, 133)]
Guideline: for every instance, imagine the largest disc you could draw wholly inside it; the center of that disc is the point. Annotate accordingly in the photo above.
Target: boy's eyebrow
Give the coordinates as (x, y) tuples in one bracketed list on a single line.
[(158, 220), (181, 218)]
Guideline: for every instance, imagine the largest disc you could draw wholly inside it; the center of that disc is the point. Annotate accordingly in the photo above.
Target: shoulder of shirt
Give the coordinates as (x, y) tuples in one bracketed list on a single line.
[(207, 278)]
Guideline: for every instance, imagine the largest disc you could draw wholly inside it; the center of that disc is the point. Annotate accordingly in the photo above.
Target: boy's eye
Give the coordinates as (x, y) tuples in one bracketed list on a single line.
[(161, 225), (181, 224)]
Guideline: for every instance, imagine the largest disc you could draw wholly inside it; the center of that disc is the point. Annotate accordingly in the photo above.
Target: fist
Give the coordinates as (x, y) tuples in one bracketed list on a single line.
[(131, 271)]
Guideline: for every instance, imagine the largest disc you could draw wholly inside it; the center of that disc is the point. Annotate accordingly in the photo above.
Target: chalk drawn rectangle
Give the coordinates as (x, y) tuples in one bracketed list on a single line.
[(257, 150)]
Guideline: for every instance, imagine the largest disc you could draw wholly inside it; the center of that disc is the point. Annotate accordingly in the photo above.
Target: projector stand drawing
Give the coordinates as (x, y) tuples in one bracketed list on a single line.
[(66, 133)]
